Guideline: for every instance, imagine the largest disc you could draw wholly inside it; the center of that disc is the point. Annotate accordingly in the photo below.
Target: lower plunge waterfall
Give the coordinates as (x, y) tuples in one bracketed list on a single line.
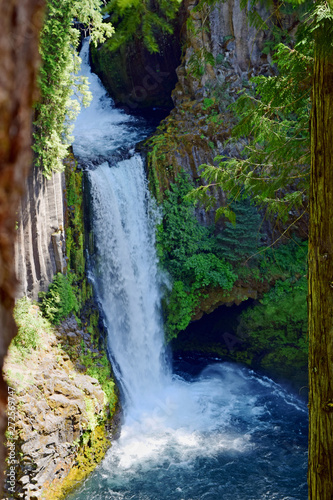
[(126, 279), (216, 432)]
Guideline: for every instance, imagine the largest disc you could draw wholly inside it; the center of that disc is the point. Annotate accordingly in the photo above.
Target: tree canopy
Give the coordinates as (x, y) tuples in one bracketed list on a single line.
[(141, 19)]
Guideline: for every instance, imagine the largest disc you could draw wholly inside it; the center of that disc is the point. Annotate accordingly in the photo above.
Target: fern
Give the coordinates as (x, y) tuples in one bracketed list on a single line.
[(59, 301)]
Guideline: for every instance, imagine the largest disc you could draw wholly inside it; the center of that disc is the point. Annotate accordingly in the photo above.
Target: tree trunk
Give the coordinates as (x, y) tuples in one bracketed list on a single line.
[(320, 472), (20, 24)]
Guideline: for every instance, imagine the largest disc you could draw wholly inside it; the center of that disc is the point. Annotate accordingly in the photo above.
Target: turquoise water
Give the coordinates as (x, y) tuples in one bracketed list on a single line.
[(255, 450)]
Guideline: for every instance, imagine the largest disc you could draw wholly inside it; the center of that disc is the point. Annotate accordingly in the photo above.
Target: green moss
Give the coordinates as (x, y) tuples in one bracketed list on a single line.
[(161, 169), (75, 233), (75, 250), (112, 67), (91, 451), (103, 375), (176, 137)]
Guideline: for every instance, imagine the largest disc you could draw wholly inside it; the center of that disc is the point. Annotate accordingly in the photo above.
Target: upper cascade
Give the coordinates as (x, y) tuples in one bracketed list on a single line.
[(98, 132)]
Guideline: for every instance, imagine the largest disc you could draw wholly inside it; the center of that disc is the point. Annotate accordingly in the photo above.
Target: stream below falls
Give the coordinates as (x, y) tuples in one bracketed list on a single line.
[(202, 431)]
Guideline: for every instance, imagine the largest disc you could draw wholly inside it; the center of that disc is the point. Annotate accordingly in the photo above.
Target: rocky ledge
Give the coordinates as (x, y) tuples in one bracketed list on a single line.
[(64, 420)]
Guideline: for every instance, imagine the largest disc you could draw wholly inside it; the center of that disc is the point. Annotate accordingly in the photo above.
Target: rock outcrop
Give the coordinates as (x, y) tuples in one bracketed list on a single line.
[(136, 79), (221, 53), (61, 413), (39, 247)]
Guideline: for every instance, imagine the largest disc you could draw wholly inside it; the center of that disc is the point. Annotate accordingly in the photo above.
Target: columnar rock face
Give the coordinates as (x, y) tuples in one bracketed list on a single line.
[(220, 54), (39, 248), (237, 47)]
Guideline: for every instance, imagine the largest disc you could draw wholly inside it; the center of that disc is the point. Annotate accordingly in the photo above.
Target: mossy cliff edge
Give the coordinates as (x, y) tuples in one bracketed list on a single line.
[(62, 414)]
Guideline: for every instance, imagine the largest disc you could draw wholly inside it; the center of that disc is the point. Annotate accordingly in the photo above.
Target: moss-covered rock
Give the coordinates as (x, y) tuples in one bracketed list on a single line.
[(75, 232), (91, 451), (190, 136)]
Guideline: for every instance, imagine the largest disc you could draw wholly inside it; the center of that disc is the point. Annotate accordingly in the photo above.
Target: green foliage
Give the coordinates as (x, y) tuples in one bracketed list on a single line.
[(30, 324), (75, 226), (205, 269), (274, 329), (180, 235), (160, 145), (198, 61), (208, 103), (185, 251), (141, 19), (318, 27), (103, 375), (58, 80), (222, 96), (200, 258), (201, 56), (278, 324), (240, 238), (179, 306), (75, 233), (285, 260), (59, 301)]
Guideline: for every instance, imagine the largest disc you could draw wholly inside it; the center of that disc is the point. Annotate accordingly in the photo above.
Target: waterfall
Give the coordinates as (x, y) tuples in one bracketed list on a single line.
[(126, 277), (221, 432), (124, 264)]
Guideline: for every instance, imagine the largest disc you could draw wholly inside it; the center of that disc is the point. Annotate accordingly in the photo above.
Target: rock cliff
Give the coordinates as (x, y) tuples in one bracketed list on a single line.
[(222, 51), (136, 79), (39, 249), (61, 413)]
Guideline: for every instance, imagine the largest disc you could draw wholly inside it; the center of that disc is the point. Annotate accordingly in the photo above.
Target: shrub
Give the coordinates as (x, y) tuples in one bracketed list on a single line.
[(30, 324), (179, 307), (279, 321), (59, 301), (290, 259)]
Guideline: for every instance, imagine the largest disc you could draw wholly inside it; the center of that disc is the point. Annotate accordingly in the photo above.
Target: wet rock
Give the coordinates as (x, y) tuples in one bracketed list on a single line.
[(137, 79)]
